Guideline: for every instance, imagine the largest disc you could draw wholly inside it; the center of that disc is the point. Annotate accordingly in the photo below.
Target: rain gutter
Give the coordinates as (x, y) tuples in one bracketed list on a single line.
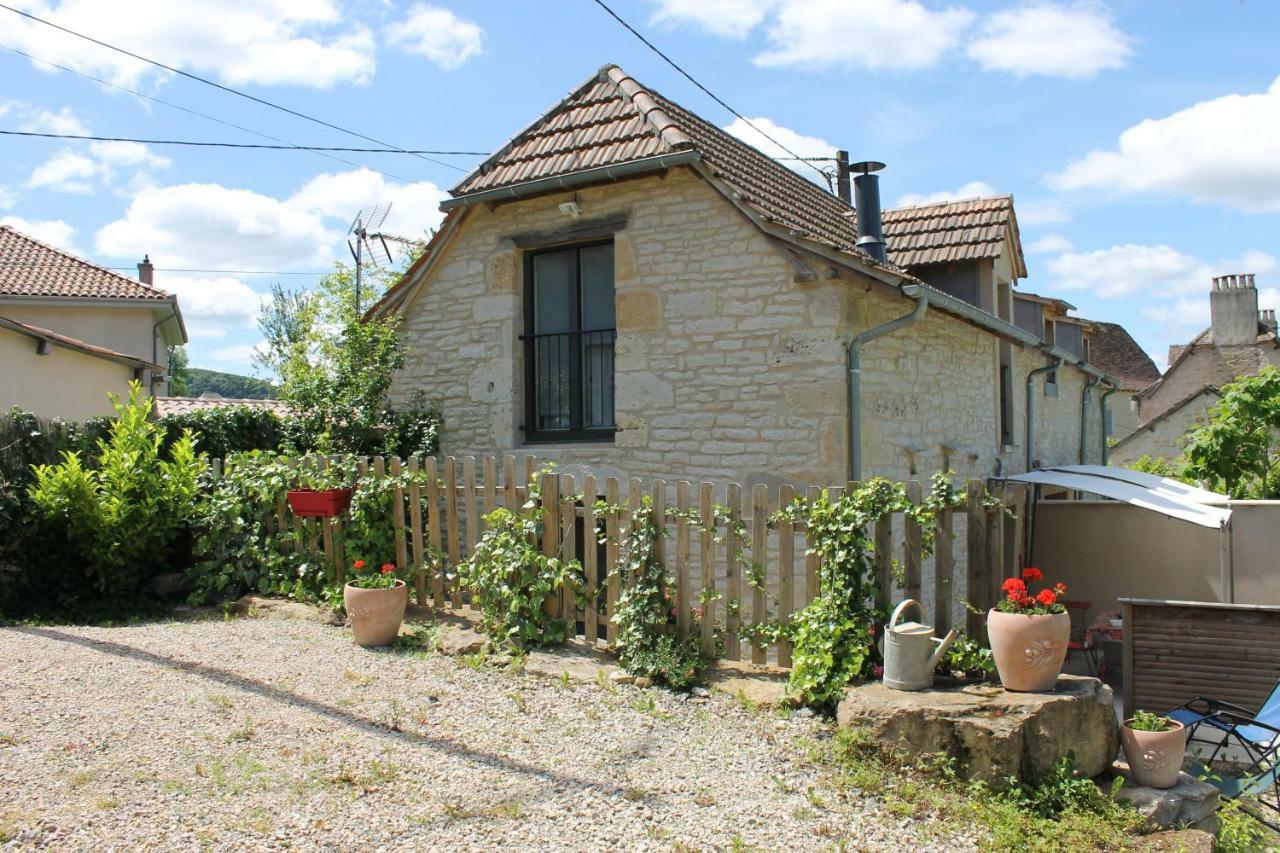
[(1084, 413)]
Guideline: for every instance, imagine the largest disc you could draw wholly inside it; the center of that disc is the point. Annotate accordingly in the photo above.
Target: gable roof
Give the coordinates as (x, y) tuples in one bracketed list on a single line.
[(31, 268), (1149, 426), (951, 231), (42, 334), (1113, 350)]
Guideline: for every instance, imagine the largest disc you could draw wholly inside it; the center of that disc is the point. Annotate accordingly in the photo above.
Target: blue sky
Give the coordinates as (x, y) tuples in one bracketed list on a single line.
[(1141, 139)]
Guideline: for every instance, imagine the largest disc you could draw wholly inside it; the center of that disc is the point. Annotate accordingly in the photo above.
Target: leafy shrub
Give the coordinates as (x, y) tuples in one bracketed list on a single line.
[(108, 528), (222, 431), (1241, 832), (646, 642), (1063, 790), (511, 579), (968, 658)]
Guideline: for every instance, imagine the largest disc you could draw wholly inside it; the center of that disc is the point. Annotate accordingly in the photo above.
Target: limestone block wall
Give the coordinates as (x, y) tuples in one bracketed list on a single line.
[(726, 368), (1207, 365), (1163, 438)]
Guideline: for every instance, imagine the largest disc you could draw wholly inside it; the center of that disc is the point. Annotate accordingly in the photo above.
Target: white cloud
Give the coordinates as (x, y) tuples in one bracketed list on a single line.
[(8, 198), (864, 34), (803, 146), (55, 232), (438, 34), (973, 189), (1185, 311), (46, 121), (1050, 243), (1153, 271), (214, 302), (415, 208), (1075, 41), (72, 172), (262, 42), (1041, 213), (1225, 151), (241, 354), (725, 18)]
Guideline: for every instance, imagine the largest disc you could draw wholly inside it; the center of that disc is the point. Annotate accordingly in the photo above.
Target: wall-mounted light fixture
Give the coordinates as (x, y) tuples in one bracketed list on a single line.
[(571, 209)]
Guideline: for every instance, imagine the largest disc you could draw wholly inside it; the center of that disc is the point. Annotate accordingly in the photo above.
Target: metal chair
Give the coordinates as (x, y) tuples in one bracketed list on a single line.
[(1078, 643), (1256, 734), (1260, 780)]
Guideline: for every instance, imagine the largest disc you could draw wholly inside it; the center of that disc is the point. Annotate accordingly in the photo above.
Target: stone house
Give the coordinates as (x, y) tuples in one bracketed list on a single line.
[(1240, 341), (1114, 351), (629, 290), (94, 330)]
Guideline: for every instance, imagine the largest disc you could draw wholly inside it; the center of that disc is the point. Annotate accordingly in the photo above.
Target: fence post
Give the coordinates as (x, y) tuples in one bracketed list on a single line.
[(551, 525), (591, 618), (786, 570), (707, 575), (451, 524), (415, 522), (433, 533), (568, 547), (611, 534), (812, 561), (977, 565), (733, 575), (682, 559), (944, 566), (469, 503), (912, 545), (884, 562), (397, 515), (490, 484), (995, 552), (760, 559)]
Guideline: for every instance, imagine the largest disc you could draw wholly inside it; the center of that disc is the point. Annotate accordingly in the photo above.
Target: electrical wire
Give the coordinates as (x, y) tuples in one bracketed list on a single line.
[(227, 89), (62, 264), (224, 144), (705, 90), (214, 119)]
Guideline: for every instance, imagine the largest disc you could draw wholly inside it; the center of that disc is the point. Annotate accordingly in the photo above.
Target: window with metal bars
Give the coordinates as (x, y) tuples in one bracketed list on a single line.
[(569, 334)]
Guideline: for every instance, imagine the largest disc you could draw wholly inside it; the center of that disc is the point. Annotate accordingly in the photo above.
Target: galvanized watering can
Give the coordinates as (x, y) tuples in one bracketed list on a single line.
[(909, 654)]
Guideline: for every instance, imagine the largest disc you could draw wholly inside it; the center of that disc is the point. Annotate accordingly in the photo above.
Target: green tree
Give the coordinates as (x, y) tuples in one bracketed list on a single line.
[(1236, 451), (179, 372)]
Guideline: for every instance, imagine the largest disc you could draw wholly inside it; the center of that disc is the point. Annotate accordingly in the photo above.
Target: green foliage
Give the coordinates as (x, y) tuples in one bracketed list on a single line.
[(108, 528), (366, 576), (1064, 789), (512, 580), (179, 372), (1236, 451), (1161, 467), (1241, 832), (1146, 721), (967, 658), (230, 385), (225, 430), (646, 643), (833, 635)]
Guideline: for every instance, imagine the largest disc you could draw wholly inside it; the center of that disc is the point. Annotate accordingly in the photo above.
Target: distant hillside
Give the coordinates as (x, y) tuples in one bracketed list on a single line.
[(200, 380)]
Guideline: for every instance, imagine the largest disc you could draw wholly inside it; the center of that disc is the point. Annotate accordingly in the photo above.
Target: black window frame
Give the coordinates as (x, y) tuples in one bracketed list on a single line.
[(576, 432)]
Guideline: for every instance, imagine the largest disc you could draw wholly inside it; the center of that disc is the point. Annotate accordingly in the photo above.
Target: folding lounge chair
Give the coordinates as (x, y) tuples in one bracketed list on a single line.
[(1229, 724), (1260, 781)]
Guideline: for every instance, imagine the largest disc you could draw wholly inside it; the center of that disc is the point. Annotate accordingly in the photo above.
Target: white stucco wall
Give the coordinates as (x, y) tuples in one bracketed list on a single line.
[(65, 383), (128, 330)]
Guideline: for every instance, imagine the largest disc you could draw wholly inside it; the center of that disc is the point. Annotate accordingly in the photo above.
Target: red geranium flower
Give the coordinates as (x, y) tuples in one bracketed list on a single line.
[(359, 564), (1047, 597), (1013, 587), (1030, 574), (387, 568), (1060, 588)]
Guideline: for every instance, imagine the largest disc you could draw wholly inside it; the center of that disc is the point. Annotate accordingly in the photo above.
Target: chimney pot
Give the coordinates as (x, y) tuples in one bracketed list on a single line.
[(145, 270), (866, 188)]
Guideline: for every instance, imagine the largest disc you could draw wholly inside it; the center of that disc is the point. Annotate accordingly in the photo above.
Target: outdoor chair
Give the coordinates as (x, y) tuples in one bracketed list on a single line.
[(1233, 725), (1078, 643), (1259, 780)]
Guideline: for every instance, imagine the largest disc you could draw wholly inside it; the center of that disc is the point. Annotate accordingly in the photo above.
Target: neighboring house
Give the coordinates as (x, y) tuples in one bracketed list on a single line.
[(1240, 341), (209, 400), (1113, 351), (57, 376), (50, 290), (628, 289)]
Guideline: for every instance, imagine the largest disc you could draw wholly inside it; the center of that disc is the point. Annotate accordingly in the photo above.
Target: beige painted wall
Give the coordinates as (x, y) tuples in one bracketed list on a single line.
[(1104, 550), (125, 330), (67, 384), (726, 368)]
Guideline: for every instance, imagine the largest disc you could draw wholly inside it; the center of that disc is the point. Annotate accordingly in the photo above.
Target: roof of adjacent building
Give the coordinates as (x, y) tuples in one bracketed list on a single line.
[(205, 402), (951, 231), (30, 268), (1114, 351), (1148, 426), (613, 119), (40, 333)]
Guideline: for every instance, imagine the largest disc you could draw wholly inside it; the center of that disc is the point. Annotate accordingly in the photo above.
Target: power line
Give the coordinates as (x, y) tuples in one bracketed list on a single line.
[(190, 111), (226, 144), (228, 89), (704, 89), (62, 264)]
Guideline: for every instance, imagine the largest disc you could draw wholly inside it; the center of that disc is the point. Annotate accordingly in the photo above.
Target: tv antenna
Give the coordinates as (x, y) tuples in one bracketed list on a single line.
[(362, 238)]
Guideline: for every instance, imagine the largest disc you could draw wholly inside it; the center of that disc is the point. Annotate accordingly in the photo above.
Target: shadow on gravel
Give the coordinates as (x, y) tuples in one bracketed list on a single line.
[(357, 721)]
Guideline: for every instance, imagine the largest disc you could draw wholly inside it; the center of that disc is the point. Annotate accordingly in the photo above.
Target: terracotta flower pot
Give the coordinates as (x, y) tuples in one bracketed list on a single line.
[(1028, 649), (1155, 758), (376, 614)]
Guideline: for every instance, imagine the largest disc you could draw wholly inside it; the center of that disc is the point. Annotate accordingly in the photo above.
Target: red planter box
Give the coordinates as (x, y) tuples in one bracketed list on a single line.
[(325, 503)]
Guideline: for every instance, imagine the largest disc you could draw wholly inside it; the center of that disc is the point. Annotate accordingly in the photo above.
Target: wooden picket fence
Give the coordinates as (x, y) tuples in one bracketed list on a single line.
[(439, 517)]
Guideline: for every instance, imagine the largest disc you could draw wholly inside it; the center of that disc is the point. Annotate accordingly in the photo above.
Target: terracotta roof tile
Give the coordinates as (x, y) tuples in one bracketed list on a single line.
[(1113, 351), (31, 268), (612, 119), (186, 405)]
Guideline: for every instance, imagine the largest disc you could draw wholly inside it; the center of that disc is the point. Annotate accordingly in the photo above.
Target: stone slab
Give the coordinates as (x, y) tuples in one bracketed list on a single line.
[(992, 734), (1190, 804), (261, 607)]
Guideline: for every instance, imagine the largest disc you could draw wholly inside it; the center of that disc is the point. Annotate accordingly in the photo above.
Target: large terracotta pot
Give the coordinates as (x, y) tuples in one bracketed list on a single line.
[(376, 614), (1029, 650), (1155, 758)]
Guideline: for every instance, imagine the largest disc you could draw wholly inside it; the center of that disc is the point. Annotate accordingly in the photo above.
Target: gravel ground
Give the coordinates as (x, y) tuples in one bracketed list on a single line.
[(258, 734)]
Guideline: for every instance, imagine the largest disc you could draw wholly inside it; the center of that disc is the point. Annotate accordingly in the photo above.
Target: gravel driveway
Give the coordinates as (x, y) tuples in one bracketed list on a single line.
[(255, 733)]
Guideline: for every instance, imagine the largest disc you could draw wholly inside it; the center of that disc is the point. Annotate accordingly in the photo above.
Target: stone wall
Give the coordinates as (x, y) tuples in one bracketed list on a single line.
[(726, 367), (1164, 438), (1206, 365)]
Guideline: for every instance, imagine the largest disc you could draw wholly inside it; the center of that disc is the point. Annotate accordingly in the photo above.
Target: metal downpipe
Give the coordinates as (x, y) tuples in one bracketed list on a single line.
[(1084, 414), (1111, 389), (853, 359), (1029, 514)]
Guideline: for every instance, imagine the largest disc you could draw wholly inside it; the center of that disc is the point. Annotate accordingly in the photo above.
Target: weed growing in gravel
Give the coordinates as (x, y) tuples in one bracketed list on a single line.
[(8, 740), (646, 704), (106, 804), (418, 642), (602, 678), (1059, 815), (221, 703), (80, 777), (360, 679), (565, 681), (522, 704), (704, 798), (243, 734), (475, 660), (457, 811), (634, 795), (395, 713)]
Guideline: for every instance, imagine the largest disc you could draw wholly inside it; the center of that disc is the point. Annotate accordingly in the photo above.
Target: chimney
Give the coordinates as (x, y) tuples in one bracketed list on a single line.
[(867, 194), (842, 177), (1267, 319), (145, 270), (1233, 309)]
